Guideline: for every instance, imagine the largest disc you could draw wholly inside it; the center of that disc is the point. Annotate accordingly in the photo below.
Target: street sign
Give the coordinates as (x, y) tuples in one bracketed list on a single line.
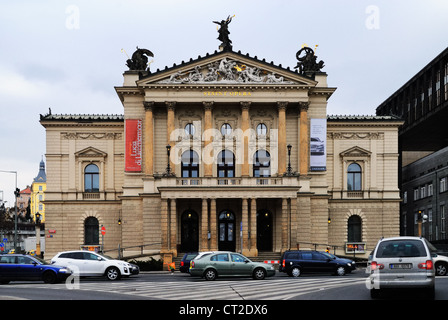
[(103, 230), (5, 240)]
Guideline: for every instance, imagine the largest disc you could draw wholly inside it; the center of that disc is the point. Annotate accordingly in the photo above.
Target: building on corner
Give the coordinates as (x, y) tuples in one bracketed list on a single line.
[(223, 152)]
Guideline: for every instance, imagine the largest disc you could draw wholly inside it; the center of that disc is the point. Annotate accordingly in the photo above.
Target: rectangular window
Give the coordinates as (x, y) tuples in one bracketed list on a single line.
[(442, 221), (405, 197), (443, 185), (423, 192), (430, 190), (415, 194)]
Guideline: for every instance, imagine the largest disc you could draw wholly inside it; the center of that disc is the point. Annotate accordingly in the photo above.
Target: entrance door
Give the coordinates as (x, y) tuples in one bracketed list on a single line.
[(226, 222), (189, 232), (264, 230)]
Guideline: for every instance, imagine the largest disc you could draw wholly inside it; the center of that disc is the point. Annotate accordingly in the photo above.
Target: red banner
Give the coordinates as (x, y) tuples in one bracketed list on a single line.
[(133, 145)]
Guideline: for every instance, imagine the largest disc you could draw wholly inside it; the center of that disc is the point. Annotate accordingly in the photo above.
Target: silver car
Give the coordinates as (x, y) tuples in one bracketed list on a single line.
[(402, 262)]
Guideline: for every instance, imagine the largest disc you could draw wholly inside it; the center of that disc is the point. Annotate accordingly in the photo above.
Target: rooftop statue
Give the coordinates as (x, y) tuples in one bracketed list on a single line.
[(307, 61), (224, 33), (139, 60)]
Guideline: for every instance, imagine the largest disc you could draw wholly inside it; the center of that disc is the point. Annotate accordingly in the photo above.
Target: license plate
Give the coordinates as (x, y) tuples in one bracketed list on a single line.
[(400, 266)]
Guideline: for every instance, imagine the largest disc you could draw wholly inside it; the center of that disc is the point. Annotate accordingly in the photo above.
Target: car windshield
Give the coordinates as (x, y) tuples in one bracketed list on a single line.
[(401, 248), (42, 261), (104, 256), (329, 255)]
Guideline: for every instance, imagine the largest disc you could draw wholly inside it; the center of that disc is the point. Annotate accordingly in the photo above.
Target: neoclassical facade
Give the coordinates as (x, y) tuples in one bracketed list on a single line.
[(223, 152)]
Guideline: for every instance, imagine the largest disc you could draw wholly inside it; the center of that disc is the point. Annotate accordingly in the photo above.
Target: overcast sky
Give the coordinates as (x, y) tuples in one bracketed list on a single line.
[(67, 55)]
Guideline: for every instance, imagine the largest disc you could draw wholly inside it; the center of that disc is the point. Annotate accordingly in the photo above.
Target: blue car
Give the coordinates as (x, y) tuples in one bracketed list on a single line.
[(19, 267)]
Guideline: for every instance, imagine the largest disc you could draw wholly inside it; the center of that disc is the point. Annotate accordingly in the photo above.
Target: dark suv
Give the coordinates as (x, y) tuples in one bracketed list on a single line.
[(296, 262)]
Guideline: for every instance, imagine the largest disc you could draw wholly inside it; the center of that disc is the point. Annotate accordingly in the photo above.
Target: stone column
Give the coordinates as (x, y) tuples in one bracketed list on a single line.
[(173, 227), (245, 126), (170, 125), (281, 137), (204, 226), (253, 228), (284, 224), (213, 226), (149, 138), (245, 221), (164, 224), (208, 135), (304, 139)]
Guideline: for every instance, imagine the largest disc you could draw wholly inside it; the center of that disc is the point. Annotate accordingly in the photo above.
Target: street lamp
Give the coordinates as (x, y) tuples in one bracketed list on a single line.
[(168, 167), (16, 194), (37, 218), (289, 169)]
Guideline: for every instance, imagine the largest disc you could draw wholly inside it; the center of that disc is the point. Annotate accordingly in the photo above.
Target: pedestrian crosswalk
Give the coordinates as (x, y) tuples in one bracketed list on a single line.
[(276, 288)]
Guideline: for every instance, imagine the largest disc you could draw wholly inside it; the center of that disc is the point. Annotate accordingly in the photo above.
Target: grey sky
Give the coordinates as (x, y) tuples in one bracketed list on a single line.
[(66, 55)]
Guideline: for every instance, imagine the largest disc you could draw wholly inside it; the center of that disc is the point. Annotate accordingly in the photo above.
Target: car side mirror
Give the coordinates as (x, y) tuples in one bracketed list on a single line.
[(246, 261)]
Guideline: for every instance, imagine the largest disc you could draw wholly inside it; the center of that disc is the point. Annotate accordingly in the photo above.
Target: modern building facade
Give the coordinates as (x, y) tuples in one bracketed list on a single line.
[(422, 103), (223, 152)]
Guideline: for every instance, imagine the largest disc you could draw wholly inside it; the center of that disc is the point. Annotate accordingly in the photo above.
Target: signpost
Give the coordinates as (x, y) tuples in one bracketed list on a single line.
[(103, 232)]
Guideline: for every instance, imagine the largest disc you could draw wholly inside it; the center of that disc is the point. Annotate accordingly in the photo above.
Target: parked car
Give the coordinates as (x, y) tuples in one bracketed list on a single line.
[(229, 264), (20, 267), (185, 262), (440, 260), (350, 263), (402, 262), (87, 263), (135, 269), (296, 262)]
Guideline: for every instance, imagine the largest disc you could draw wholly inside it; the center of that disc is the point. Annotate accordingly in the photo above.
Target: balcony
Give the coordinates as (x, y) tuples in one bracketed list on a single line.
[(268, 181)]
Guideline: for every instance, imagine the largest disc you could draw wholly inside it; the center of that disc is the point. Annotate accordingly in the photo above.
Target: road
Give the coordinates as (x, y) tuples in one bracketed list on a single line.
[(178, 286)]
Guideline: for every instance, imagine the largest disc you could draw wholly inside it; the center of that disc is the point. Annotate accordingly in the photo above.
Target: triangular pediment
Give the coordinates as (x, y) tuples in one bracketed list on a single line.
[(356, 152), (226, 68), (90, 152)]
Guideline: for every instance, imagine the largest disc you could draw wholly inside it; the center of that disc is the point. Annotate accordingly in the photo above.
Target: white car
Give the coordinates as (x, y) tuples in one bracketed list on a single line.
[(87, 263)]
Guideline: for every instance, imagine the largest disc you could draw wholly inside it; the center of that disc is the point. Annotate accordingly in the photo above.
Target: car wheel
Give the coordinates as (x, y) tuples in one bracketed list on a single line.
[(210, 274), (112, 273), (340, 271), (295, 272), (441, 269), (49, 277), (259, 274)]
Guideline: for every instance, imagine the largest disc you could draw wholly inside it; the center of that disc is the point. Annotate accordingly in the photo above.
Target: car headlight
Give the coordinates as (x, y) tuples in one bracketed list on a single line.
[(349, 264), (65, 270)]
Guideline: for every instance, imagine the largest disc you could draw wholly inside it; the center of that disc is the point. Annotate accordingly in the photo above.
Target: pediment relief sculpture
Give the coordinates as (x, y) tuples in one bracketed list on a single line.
[(225, 71)]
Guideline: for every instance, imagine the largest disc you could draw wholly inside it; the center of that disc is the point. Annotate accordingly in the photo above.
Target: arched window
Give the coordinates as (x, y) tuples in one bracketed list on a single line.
[(262, 164), (354, 227), (189, 129), (91, 178), (262, 130), (354, 177), (91, 231), (226, 164), (226, 129), (190, 164)]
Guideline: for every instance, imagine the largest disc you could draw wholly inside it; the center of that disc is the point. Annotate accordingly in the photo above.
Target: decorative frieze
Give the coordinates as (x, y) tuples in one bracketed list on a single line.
[(91, 135)]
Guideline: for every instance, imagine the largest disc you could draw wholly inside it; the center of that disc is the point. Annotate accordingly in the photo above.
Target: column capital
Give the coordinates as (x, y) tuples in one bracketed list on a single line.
[(208, 105), (148, 105), (245, 105), (171, 105), (282, 105), (304, 105)]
